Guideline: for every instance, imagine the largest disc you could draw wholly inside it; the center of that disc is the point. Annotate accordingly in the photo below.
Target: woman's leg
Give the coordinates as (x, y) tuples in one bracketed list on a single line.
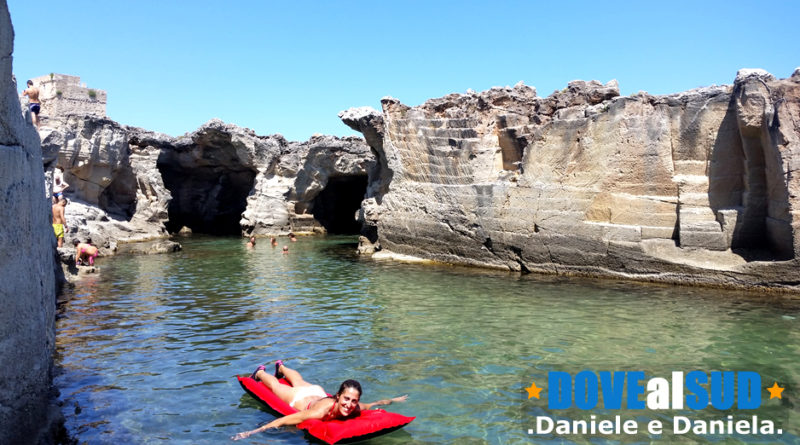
[(285, 392), (292, 376)]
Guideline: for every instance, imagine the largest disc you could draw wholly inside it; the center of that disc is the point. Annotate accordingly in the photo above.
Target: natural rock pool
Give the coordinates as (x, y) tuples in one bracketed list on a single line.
[(147, 350)]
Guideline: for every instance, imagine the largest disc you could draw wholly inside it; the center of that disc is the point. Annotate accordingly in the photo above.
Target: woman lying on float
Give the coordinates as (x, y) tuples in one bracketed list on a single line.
[(311, 401)]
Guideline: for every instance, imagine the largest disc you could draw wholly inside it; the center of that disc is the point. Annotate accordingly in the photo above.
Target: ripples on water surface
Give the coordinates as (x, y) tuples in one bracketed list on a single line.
[(148, 349)]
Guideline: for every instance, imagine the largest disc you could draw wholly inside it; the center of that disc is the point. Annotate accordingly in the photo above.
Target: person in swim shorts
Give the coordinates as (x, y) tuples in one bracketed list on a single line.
[(33, 102), (59, 220), (84, 253), (311, 401), (58, 183)]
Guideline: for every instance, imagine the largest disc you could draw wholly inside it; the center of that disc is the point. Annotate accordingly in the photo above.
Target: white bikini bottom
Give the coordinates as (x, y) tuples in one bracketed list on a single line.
[(307, 391)]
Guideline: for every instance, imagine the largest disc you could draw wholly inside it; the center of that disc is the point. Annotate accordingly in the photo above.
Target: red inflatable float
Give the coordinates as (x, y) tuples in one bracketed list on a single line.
[(369, 424)]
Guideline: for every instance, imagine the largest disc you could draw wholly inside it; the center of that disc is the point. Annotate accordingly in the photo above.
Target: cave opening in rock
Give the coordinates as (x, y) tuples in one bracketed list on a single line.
[(207, 200), (765, 221), (748, 193), (335, 207)]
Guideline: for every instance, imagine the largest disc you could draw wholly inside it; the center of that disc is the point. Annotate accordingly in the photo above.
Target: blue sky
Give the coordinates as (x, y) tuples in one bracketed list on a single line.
[(289, 67)]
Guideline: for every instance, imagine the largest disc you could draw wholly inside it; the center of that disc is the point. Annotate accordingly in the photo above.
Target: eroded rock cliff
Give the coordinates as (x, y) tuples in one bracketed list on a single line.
[(228, 180), (27, 269), (130, 185), (115, 191), (693, 187)]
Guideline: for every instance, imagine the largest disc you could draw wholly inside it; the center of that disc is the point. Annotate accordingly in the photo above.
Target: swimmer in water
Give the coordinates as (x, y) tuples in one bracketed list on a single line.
[(311, 401)]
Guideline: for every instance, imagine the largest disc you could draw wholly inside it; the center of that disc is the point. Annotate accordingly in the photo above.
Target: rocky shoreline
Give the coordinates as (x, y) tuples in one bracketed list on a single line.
[(694, 188), (691, 188), (129, 185)]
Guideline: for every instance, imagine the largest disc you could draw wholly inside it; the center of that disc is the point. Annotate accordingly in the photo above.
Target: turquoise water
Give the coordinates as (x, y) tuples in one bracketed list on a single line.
[(147, 350)]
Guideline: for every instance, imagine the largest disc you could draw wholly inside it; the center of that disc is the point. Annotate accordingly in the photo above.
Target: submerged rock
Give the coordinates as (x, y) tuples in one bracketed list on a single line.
[(149, 248)]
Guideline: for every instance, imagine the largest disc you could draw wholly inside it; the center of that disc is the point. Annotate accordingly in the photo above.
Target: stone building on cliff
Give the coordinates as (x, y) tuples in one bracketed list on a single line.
[(64, 95)]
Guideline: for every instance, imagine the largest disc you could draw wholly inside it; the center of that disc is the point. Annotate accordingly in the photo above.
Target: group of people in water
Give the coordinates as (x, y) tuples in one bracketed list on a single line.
[(251, 242), (311, 401)]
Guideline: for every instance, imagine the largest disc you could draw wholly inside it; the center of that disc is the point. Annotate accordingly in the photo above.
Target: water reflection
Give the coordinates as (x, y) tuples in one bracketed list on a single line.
[(149, 347)]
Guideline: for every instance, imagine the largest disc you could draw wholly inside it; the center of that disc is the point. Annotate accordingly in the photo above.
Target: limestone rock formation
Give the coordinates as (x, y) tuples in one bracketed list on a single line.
[(130, 185), (27, 268), (116, 193), (331, 183), (691, 187), (227, 180)]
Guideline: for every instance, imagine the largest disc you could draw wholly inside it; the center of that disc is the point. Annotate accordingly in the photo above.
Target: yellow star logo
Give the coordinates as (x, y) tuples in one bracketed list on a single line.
[(533, 391), (775, 391)]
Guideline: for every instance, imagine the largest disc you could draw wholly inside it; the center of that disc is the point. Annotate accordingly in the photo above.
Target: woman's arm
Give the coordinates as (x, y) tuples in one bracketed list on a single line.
[(383, 402), (291, 419), (317, 412)]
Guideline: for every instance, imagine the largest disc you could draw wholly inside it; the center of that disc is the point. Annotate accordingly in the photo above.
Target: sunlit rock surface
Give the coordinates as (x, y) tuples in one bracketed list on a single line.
[(27, 269), (131, 185), (116, 194), (695, 187)]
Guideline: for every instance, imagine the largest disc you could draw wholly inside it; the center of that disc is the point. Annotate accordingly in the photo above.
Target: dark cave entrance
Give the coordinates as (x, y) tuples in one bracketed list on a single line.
[(207, 200), (335, 207), (747, 186)]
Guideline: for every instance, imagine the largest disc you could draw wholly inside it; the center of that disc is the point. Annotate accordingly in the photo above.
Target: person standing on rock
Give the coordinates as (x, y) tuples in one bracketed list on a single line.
[(33, 102), (59, 220), (58, 183)]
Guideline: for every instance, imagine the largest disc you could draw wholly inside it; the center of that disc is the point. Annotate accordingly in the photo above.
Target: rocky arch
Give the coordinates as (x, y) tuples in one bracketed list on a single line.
[(207, 199), (209, 174), (335, 207)]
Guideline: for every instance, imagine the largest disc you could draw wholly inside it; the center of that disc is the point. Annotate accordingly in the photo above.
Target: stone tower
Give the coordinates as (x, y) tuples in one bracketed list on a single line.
[(62, 95)]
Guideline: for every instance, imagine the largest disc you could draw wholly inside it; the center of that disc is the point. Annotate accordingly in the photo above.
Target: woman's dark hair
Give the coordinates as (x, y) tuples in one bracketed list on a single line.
[(349, 383)]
